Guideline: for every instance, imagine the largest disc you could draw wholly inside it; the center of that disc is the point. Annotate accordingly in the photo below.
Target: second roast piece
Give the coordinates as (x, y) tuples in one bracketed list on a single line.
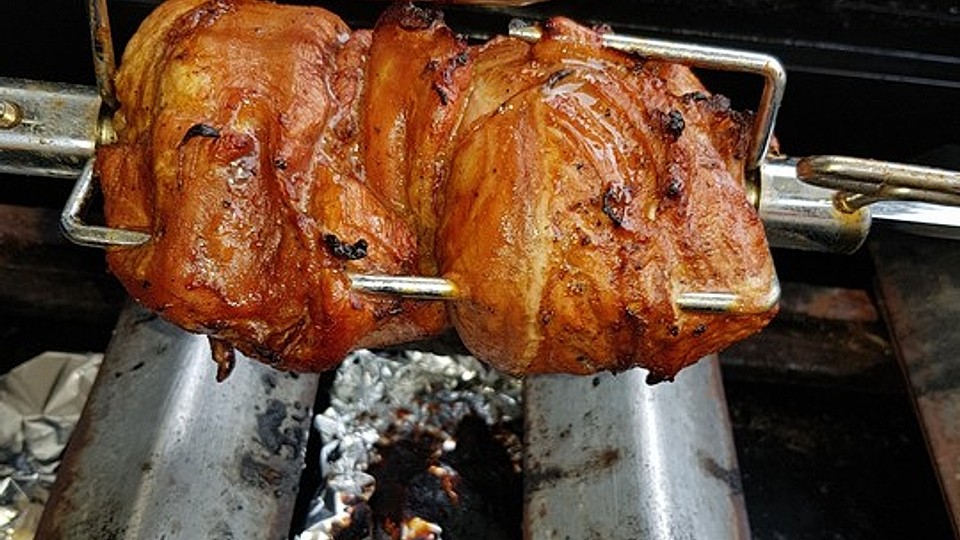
[(589, 190)]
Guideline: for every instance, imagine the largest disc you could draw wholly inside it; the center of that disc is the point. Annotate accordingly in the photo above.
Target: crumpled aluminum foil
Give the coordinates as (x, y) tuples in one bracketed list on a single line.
[(377, 393), (40, 403)]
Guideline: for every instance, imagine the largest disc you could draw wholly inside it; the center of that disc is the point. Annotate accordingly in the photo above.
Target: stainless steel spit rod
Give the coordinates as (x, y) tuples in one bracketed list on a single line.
[(47, 129), (828, 203)]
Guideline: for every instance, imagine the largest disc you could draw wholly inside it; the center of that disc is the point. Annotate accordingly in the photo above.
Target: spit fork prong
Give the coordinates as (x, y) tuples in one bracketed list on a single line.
[(434, 288), (720, 59), (730, 302), (79, 232), (423, 288), (703, 56)]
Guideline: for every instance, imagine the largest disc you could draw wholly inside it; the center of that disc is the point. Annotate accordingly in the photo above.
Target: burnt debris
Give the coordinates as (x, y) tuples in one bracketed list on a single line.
[(558, 76), (673, 123), (200, 130), (615, 201), (343, 250)]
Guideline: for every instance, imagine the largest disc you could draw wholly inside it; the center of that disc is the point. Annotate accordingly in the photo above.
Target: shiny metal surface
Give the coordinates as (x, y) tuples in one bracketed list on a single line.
[(56, 131), (920, 218), (729, 302), (77, 231), (703, 56), (865, 181), (10, 114), (425, 288), (163, 451), (612, 457), (801, 216)]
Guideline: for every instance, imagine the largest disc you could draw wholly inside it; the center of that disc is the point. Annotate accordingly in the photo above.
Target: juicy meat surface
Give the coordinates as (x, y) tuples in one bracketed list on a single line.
[(590, 189), (571, 192), (238, 152)]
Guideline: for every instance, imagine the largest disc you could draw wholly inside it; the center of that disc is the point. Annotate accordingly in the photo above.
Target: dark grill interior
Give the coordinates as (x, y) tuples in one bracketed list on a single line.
[(828, 442)]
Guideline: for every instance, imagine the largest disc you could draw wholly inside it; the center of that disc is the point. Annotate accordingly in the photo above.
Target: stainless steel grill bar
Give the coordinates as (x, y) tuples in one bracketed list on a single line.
[(163, 451), (613, 457)]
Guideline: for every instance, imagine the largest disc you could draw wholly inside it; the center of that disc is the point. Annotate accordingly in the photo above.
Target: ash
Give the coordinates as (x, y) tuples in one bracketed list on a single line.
[(418, 446)]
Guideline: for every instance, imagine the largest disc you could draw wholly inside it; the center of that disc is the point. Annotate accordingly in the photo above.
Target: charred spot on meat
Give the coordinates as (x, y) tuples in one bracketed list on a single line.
[(673, 123), (558, 76), (655, 377), (200, 130), (343, 250), (442, 94), (615, 201), (224, 356), (694, 96), (413, 17), (674, 188)]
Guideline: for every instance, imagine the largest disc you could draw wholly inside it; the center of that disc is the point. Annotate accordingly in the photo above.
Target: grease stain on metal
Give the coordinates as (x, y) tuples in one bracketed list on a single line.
[(730, 477), (269, 382), (539, 478), (273, 436), (259, 474), (221, 531)]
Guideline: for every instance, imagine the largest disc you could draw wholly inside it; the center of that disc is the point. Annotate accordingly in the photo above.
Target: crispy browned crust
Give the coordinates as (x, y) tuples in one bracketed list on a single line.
[(238, 153), (571, 191)]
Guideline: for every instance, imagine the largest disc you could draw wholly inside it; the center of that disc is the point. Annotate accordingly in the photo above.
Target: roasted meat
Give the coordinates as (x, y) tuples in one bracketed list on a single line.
[(238, 152), (572, 192), (588, 190)]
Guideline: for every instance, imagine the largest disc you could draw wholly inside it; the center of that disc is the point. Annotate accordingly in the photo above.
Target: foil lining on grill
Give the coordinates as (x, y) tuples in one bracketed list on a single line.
[(379, 397), (40, 403)]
